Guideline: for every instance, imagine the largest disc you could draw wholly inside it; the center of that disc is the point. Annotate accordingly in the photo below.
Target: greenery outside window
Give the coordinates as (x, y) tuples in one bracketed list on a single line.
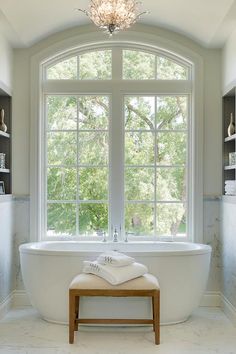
[(117, 145)]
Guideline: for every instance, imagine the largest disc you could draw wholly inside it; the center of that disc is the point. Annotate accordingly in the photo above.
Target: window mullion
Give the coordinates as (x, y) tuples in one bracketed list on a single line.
[(117, 63), (77, 167), (155, 170), (44, 163), (116, 195)]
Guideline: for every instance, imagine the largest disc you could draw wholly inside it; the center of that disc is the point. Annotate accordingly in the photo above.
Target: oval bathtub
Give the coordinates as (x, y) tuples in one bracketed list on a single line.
[(182, 270)]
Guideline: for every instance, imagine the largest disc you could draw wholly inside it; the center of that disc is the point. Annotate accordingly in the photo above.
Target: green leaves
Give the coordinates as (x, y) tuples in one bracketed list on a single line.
[(61, 112), (138, 65), (92, 66), (95, 65), (64, 70), (155, 158)]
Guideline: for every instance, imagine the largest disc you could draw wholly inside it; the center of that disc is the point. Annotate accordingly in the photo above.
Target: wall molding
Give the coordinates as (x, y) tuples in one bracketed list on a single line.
[(20, 299), (5, 305), (17, 298), (211, 299), (228, 309)]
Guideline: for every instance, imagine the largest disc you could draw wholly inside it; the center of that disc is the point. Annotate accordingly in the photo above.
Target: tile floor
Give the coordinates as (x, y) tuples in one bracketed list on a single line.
[(207, 331)]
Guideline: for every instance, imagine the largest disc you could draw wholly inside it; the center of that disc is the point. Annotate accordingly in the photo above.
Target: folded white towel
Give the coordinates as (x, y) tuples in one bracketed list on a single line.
[(115, 259), (115, 275), (230, 182)]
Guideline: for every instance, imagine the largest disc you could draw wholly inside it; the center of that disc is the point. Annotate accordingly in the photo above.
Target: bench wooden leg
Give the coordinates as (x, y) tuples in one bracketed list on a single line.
[(76, 312), (156, 312), (71, 317), (153, 311)]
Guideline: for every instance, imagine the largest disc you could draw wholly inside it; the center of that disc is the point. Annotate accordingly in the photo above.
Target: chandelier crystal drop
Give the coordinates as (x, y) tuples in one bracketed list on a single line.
[(114, 15)]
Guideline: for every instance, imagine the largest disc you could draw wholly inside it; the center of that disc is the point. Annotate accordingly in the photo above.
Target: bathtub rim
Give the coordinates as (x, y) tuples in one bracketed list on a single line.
[(34, 248)]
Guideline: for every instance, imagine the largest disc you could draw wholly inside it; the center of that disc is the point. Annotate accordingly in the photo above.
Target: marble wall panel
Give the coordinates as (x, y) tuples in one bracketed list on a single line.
[(228, 254), (7, 254)]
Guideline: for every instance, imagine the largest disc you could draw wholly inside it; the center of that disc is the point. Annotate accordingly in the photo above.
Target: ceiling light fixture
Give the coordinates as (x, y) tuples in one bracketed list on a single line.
[(114, 15)]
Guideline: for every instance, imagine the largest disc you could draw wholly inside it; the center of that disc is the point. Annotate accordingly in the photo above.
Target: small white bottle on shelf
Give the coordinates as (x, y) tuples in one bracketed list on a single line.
[(3, 126), (231, 127)]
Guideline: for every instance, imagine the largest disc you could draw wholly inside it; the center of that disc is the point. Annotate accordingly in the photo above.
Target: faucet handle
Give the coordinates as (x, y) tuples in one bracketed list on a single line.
[(115, 236)]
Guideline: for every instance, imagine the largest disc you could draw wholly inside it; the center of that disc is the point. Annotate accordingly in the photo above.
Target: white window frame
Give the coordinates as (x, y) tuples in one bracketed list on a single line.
[(155, 87)]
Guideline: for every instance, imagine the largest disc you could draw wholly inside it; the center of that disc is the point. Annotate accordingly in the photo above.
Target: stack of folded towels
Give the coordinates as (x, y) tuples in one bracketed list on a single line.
[(230, 187), (115, 267)]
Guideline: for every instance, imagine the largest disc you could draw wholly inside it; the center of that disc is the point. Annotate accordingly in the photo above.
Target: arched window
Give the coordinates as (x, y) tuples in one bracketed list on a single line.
[(117, 144)]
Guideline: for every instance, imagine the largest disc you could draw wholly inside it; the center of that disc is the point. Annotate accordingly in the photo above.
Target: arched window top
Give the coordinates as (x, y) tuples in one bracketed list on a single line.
[(130, 63)]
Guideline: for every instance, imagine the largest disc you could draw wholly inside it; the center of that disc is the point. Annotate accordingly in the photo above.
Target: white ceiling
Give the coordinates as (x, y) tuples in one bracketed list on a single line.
[(209, 22)]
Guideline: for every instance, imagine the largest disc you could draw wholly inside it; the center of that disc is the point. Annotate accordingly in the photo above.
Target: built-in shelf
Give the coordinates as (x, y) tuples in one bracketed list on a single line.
[(230, 138), (4, 170), (229, 199), (229, 142), (233, 167), (6, 143), (5, 197), (6, 135)]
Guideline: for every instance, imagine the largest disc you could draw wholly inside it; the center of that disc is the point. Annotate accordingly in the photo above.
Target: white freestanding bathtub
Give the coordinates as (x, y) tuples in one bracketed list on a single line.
[(182, 270)]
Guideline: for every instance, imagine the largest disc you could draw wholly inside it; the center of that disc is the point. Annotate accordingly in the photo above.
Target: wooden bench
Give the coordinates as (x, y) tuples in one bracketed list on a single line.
[(92, 285)]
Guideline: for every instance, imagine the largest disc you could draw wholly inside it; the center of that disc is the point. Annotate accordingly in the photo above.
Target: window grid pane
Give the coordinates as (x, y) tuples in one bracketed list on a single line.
[(77, 171), (165, 173), (136, 65), (64, 70), (168, 69), (96, 65)]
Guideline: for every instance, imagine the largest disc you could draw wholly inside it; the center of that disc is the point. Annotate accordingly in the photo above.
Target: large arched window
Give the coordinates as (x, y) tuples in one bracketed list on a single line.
[(117, 144)]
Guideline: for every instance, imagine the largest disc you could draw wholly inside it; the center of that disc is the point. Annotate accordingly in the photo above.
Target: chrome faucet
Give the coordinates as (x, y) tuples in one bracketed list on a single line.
[(127, 235), (104, 237), (115, 236)]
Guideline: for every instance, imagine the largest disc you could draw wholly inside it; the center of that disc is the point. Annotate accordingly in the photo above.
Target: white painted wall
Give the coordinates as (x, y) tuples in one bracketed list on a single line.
[(7, 281), (212, 174), (21, 123), (6, 62), (228, 250), (229, 63)]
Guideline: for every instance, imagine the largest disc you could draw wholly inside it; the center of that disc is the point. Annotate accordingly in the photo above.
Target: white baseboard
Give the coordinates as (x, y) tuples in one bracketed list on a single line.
[(20, 299), (228, 309), (17, 298), (6, 305), (211, 299)]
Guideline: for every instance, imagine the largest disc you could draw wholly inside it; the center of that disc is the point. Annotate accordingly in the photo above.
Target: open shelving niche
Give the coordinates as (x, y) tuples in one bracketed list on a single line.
[(5, 140)]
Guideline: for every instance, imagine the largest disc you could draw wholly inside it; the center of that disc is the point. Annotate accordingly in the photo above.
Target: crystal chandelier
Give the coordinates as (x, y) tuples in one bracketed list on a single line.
[(113, 15)]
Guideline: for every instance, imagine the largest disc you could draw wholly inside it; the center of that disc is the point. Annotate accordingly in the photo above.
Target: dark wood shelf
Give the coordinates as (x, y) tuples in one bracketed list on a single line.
[(230, 138), (229, 142), (4, 170), (6, 135), (5, 197)]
